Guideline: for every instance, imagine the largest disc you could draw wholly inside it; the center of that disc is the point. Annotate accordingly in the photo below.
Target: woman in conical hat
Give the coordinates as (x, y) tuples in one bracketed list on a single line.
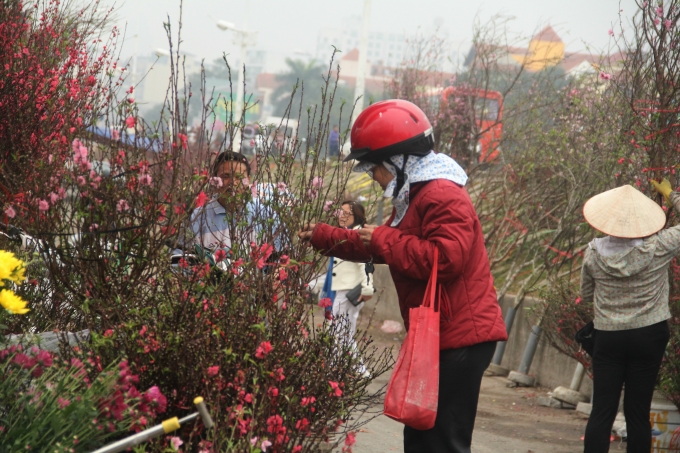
[(625, 275)]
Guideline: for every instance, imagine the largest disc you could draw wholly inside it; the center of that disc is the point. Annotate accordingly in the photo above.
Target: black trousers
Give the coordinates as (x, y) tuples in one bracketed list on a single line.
[(631, 357), (460, 377)]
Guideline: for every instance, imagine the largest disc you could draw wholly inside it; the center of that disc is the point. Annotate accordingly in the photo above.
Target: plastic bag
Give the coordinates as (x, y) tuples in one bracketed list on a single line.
[(413, 391)]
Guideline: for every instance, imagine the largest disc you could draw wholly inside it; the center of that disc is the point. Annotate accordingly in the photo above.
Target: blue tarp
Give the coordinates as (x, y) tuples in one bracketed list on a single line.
[(128, 139)]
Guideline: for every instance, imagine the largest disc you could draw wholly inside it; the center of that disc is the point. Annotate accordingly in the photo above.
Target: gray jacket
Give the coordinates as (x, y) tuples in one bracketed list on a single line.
[(628, 281)]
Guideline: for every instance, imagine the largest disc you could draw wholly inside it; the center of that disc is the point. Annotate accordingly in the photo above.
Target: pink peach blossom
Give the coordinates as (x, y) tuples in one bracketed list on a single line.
[(122, 205), (176, 442), (145, 179)]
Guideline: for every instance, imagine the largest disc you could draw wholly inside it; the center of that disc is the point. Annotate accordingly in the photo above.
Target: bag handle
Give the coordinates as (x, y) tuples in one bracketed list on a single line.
[(431, 291)]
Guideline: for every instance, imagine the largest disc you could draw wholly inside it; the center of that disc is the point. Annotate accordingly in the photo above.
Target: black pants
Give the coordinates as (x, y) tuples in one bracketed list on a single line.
[(460, 377), (631, 357)]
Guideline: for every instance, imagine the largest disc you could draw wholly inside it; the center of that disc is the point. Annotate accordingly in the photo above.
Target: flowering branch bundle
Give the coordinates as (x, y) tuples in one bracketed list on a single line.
[(228, 323), (68, 405), (52, 72)]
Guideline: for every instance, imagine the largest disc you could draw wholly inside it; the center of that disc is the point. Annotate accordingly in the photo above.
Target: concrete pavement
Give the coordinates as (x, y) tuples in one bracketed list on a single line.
[(509, 420)]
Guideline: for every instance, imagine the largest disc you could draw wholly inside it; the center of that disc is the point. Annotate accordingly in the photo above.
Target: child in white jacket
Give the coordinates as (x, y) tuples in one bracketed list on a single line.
[(348, 275)]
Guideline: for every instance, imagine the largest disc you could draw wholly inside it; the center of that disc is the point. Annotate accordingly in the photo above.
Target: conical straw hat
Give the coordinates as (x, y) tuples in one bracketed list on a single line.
[(624, 212)]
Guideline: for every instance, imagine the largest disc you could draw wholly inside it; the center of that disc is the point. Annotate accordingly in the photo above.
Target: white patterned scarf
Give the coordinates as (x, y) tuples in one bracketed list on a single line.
[(418, 169)]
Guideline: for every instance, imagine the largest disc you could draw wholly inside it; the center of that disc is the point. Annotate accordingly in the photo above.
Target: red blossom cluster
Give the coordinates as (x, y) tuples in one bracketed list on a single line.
[(50, 89), (35, 360), (142, 406), (264, 349), (124, 402)]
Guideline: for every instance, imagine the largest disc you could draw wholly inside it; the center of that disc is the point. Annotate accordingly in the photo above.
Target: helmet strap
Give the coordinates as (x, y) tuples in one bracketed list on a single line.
[(401, 179)]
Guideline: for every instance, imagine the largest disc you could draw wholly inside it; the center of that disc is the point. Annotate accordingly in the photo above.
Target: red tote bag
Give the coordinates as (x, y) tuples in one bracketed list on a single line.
[(414, 386)]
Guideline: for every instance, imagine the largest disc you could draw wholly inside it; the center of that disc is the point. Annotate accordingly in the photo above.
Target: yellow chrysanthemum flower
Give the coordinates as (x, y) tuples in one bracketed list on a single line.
[(12, 302), (11, 268)]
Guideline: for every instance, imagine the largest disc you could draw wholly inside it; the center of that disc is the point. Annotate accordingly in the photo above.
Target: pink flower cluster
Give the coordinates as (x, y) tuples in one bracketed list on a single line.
[(80, 155)]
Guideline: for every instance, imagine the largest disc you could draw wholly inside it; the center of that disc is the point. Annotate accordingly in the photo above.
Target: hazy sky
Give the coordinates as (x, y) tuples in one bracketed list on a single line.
[(284, 26)]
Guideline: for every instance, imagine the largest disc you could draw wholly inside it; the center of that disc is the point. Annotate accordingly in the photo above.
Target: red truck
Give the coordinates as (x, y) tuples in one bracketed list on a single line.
[(488, 112)]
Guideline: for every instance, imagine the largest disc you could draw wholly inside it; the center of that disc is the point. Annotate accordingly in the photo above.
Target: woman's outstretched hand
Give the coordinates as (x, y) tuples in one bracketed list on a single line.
[(366, 234), (306, 233)]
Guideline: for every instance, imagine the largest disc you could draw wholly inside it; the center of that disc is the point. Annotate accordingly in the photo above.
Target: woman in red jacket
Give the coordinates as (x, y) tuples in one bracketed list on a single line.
[(392, 140)]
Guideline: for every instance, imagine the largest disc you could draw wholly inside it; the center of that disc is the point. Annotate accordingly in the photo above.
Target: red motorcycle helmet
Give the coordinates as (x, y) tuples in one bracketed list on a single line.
[(389, 128)]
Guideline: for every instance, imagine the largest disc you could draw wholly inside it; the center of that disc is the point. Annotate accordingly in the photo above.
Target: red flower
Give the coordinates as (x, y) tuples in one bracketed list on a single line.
[(154, 397), (302, 425), (335, 388), (264, 349), (283, 274), (273, 392), (24, 361), (275, 424), (350, 439), (213, 370), (220, 255), (43, 357), (325, 302), (130, 122), (307, 401), (62, 403), (183, 139), (265, 251), (278, 374), (201, 199)]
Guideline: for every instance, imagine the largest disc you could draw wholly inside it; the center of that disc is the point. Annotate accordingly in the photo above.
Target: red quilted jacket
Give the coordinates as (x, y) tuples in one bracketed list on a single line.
[(440, 214)]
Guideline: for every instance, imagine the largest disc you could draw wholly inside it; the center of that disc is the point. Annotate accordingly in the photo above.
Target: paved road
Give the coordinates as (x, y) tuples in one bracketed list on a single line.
[(509, 421)]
